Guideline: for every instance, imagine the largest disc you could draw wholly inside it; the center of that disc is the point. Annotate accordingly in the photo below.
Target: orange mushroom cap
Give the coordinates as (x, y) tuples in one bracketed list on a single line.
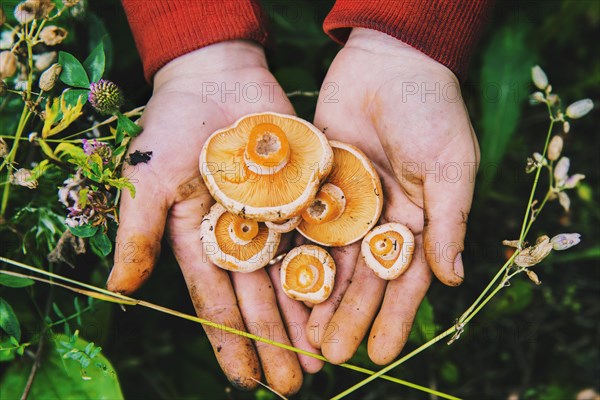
[(307, 274), (388, 250), (348, 204), (266, 167), (236, 244)]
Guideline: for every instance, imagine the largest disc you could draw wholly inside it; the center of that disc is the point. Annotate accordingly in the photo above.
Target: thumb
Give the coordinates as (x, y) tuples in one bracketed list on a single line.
[(141, 227), (447, 201)]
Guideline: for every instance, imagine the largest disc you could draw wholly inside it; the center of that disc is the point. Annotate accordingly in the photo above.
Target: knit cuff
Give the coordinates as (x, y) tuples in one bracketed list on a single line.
[(445, 30), (165, 30)]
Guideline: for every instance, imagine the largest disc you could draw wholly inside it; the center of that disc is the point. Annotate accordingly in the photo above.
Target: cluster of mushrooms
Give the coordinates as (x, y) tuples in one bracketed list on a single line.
[(272, 173)]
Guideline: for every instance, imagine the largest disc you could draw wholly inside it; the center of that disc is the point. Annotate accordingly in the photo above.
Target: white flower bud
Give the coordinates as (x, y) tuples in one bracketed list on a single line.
[(539, 158), (555, 148), (8, 64), (534, 278), (24, 177), (50, 77), (580, 108), (53, 35), (539, 78), (566, 127), (45, 60), (537, 97), (573, 181), (561, 170), (564, 200), (565, 241)]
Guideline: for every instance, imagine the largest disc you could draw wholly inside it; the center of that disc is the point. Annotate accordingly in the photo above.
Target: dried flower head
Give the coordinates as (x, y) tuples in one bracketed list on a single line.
[(8, 64), (565, 241), (45, 60), (555, 148), (539, 78), (3, 148), (29, 10), (534, 278), (53, 35), (105, 96), (534, 254), (580, 108), (50, 77), (24, 177)]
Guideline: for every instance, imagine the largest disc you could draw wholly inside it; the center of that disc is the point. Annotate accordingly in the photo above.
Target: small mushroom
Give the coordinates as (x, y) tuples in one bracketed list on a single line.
[(284, 226), (266, 167), (235, 243), (307, 274), (388, 250), (348, 204)]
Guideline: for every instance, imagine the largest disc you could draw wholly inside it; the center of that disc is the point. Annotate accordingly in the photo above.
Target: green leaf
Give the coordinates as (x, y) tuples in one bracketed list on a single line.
[(8, 320), (57, 311), (449, 372), (94, 64), (101, 244), (72, 95), (127, 126), (505, 80), (60, 378), (15, 281), (84, 231), (424, 326), (513, 300), (73, 73)]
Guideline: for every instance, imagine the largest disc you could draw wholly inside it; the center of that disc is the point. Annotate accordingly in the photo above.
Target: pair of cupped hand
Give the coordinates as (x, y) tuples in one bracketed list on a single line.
[(397, 105)]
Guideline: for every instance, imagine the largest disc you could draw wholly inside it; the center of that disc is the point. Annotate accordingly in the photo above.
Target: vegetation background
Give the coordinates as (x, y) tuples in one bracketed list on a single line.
[(539, 342)]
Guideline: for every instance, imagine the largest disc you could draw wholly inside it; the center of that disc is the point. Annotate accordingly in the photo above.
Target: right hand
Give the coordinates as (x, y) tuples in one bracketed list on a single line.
[(194, 95)]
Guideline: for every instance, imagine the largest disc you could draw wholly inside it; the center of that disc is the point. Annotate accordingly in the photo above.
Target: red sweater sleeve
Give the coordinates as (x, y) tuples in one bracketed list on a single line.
[(166, 29), (445, 30)]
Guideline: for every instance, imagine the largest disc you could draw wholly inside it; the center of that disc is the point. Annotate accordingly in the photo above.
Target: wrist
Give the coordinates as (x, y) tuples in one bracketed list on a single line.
[(212, 59)]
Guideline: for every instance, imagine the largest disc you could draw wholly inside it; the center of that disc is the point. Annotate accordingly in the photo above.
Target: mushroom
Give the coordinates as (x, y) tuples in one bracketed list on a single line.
[(266, 167), (348, 204), (307, 274), (284, 226), (235, 243), (388, 250)]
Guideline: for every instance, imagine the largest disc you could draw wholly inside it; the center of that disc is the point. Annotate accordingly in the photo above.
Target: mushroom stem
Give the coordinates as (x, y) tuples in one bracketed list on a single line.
[(242, 231), (328, 205), (267, 150)]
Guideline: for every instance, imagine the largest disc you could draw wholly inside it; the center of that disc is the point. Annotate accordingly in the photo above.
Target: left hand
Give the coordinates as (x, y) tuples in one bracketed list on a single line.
[(405, 111)]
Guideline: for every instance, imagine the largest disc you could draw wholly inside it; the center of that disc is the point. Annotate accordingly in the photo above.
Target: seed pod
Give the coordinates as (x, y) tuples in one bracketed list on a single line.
[(580, 108), (534, 278), (53, 35), (45, 60), (8, 64), (3, 148), (49, 77), (539, 78), (565, 241), (29, 10), (24, 177), (555, 148), (534, 254)]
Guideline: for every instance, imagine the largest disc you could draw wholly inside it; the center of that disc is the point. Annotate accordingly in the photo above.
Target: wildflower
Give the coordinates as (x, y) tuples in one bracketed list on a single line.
[(580, 108), (566, 127), (49, 77), (573, 180), (534, 254), (534, 278), (537, 97), (24, 177), (105, 96), (29, 10), (539, 78), (53, 35), (561, 170), (564, 200), (565, 241), (8, 64), (555, 148), (91, 147), (3, 148)]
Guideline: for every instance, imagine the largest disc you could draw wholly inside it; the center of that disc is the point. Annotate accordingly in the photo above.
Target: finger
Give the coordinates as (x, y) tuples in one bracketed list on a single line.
[(447, 201), (354, 315), (141, 227), (402, 298), (213, 297), (295, 315), (319, 322), (257, 303)]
